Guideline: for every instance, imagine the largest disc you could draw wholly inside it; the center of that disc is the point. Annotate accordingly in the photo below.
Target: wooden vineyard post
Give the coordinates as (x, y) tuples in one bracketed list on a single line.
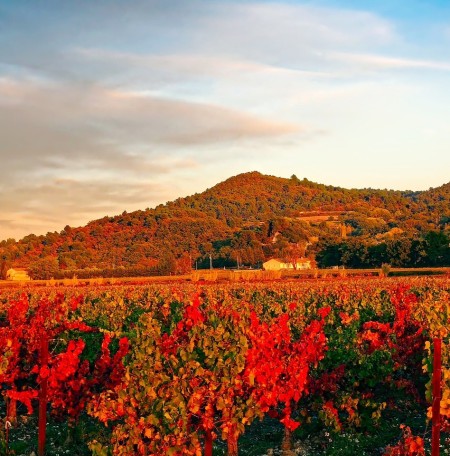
[(232, 442), (12, 411), (436, 405), (286, 444), (208, 443), (43, 396)]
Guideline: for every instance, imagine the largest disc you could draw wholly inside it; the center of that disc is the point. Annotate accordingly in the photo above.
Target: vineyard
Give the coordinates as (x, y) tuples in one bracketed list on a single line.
[(331, 366)]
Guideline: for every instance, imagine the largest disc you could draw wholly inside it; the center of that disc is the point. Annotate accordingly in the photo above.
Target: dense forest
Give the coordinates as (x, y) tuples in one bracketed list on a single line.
[(242, 222)]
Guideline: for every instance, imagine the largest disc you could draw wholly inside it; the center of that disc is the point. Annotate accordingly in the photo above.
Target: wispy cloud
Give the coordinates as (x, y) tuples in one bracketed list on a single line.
[(113, 128), (381, 62), (281, 32)]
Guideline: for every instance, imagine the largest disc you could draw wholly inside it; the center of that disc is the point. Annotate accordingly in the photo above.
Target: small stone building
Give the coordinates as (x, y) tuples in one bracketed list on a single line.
[(17, 274), (275, 264)]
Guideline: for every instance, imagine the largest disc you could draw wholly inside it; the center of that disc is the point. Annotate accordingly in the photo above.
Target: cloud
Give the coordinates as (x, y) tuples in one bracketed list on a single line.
[(171, 66), (288, 33), (113, 128), (50, 205), (380, 62), (163, 72), (182, 122), (156, 32)]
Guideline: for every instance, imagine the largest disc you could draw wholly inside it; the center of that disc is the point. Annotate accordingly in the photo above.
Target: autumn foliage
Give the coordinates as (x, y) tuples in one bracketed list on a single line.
[(70, 380), (247, 220), (169, 369)]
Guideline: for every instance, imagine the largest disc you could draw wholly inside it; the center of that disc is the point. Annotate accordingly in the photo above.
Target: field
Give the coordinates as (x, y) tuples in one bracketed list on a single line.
[(314, 367)]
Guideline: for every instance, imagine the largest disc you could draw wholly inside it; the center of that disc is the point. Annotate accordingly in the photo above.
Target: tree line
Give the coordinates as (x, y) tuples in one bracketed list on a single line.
[(429, 250)]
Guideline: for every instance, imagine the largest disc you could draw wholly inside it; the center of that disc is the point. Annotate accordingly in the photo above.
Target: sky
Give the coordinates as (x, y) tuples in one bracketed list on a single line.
[(107, 106)]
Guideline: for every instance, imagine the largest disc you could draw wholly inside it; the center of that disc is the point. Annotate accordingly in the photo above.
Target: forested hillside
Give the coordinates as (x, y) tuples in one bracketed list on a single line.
[(245, 220)]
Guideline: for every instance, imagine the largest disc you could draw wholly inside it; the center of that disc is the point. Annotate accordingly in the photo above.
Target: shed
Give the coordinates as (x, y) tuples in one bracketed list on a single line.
[(275, 264), (17, 274)]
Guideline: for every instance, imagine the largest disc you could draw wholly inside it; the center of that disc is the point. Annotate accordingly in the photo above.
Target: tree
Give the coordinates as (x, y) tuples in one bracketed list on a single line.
[(399, 252), (247, 247), (167, 264), (183, 264), (3, 269), (437, 246), (44, 268), (377, 255), (328, 255), (295, 252)]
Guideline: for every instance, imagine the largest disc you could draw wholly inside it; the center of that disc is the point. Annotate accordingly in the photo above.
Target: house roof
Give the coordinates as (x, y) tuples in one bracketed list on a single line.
[(300, 260)]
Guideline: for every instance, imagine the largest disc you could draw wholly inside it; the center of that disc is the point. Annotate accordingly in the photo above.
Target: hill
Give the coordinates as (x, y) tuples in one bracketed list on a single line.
[(245, 219)]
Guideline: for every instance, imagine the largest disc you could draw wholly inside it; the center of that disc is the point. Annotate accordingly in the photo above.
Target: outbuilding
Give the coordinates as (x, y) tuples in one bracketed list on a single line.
[(17, 274), (275, 264)]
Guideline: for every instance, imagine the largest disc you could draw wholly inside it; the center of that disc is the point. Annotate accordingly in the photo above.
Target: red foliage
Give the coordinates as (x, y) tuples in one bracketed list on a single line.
[(409, 445), (279, 366), (71, 382)]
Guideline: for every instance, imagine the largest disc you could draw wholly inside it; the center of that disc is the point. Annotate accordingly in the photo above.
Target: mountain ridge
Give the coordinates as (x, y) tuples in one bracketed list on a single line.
[(235, 220)]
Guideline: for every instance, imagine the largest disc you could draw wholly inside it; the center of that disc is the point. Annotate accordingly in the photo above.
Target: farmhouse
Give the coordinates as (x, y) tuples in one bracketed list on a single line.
[(275, 264), (17, 274)]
